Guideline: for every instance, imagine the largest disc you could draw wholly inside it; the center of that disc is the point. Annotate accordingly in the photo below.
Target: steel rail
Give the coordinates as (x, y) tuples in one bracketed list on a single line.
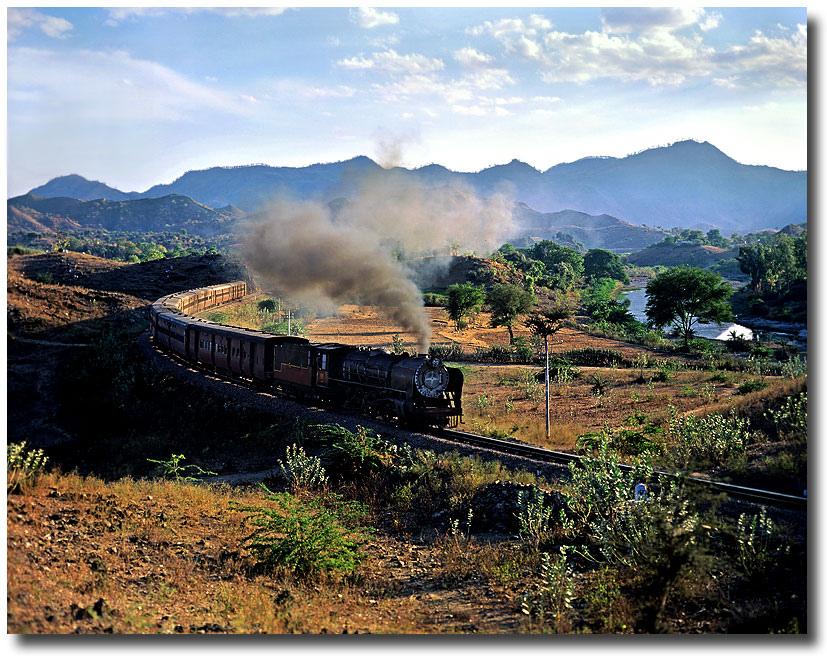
[(514, 447)]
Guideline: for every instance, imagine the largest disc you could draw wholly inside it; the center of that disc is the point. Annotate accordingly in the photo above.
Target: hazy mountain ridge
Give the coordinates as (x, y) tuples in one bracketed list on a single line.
[(685, 184), (602, 231)]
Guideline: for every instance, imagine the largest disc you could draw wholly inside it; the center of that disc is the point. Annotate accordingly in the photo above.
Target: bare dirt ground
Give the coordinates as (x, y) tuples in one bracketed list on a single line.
[(358, 325)]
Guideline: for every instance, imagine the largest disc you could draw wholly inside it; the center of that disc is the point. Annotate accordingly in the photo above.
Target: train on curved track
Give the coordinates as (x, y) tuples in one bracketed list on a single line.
[(415, 389)]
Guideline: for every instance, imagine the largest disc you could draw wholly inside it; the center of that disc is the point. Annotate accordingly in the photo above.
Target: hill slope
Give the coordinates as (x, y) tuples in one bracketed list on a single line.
[(34, 213)]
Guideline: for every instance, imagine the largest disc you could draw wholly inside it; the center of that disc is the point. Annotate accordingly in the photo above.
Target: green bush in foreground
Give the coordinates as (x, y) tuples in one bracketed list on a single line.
[(309, 537)]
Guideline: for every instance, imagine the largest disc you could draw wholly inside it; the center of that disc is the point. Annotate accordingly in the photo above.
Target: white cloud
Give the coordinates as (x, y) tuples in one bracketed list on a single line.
[(118, 15), (112, 87), (624, 20), (781, 61), (728, 83), (19, 19), (390, 61), (509, 28), (370, 18), (384, 41), (656, 45), (472, 58)]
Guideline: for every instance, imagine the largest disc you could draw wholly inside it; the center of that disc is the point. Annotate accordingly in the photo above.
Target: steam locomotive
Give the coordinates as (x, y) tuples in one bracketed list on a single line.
[(414, 389)]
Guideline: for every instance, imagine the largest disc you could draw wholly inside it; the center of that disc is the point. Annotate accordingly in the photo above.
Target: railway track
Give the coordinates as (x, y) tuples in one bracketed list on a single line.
[(515, 448), (548, 455)]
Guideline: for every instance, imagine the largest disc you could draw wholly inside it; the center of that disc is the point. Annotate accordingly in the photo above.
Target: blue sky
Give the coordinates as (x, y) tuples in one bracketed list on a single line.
[(137, 97)]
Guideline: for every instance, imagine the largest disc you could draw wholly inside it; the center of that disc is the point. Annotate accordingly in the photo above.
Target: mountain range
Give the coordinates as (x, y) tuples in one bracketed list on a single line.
[(687, 184)]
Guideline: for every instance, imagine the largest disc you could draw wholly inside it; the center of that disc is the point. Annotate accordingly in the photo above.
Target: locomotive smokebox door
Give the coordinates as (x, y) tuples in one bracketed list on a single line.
[(431, 378)]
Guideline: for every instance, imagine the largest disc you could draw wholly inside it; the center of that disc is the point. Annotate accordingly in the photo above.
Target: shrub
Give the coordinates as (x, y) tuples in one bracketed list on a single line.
[(296, 327), (20, 250), (362, 453), (714, 439), (23, 467), (758, 548), (521, 349), (599, 385), (533, 515), (179, 472), (397, 345), (646, 440), (791, 416), (748, 386), (596, 357), (598, 485), (794, 367), (497, 354), (268, 304), (44, 277), (312, 537), (434, 300), (302, 471), (554, 593), (446, 351)]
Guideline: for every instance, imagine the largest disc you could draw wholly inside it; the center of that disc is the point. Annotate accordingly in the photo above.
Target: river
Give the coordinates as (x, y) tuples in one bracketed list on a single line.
[(637, 306)]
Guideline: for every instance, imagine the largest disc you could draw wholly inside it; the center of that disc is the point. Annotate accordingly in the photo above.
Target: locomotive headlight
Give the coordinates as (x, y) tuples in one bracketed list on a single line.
[(431, 378)]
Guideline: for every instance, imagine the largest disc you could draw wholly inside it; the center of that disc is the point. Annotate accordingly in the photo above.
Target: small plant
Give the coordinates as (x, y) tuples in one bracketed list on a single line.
[(465, 534), (397, 345), (483, 402), (791, 417), (748, 386), (22, 467), (44, 278), (720, 377), (533, 515), (794, 367), (599, 385), (758, 548), (318, 536), (661, 375), (555, 591), (303, 472), (177, 471)]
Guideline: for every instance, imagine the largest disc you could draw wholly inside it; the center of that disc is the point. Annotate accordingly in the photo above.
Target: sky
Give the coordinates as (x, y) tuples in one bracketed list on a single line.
[(136, 97)]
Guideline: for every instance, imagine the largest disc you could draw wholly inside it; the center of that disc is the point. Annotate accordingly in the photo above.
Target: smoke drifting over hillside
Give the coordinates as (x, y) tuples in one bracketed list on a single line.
[(354, 256)]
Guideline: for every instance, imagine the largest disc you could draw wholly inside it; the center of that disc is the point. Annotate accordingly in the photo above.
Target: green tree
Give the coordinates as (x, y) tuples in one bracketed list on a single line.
[(564, 266), (600, 304), (601, 263), (507, 303), (464, 300), (684, 295), (546, 322), (714, 238)]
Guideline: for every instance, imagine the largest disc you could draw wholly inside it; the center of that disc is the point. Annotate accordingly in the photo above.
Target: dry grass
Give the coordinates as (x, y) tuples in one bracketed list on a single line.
[(85, 556)]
